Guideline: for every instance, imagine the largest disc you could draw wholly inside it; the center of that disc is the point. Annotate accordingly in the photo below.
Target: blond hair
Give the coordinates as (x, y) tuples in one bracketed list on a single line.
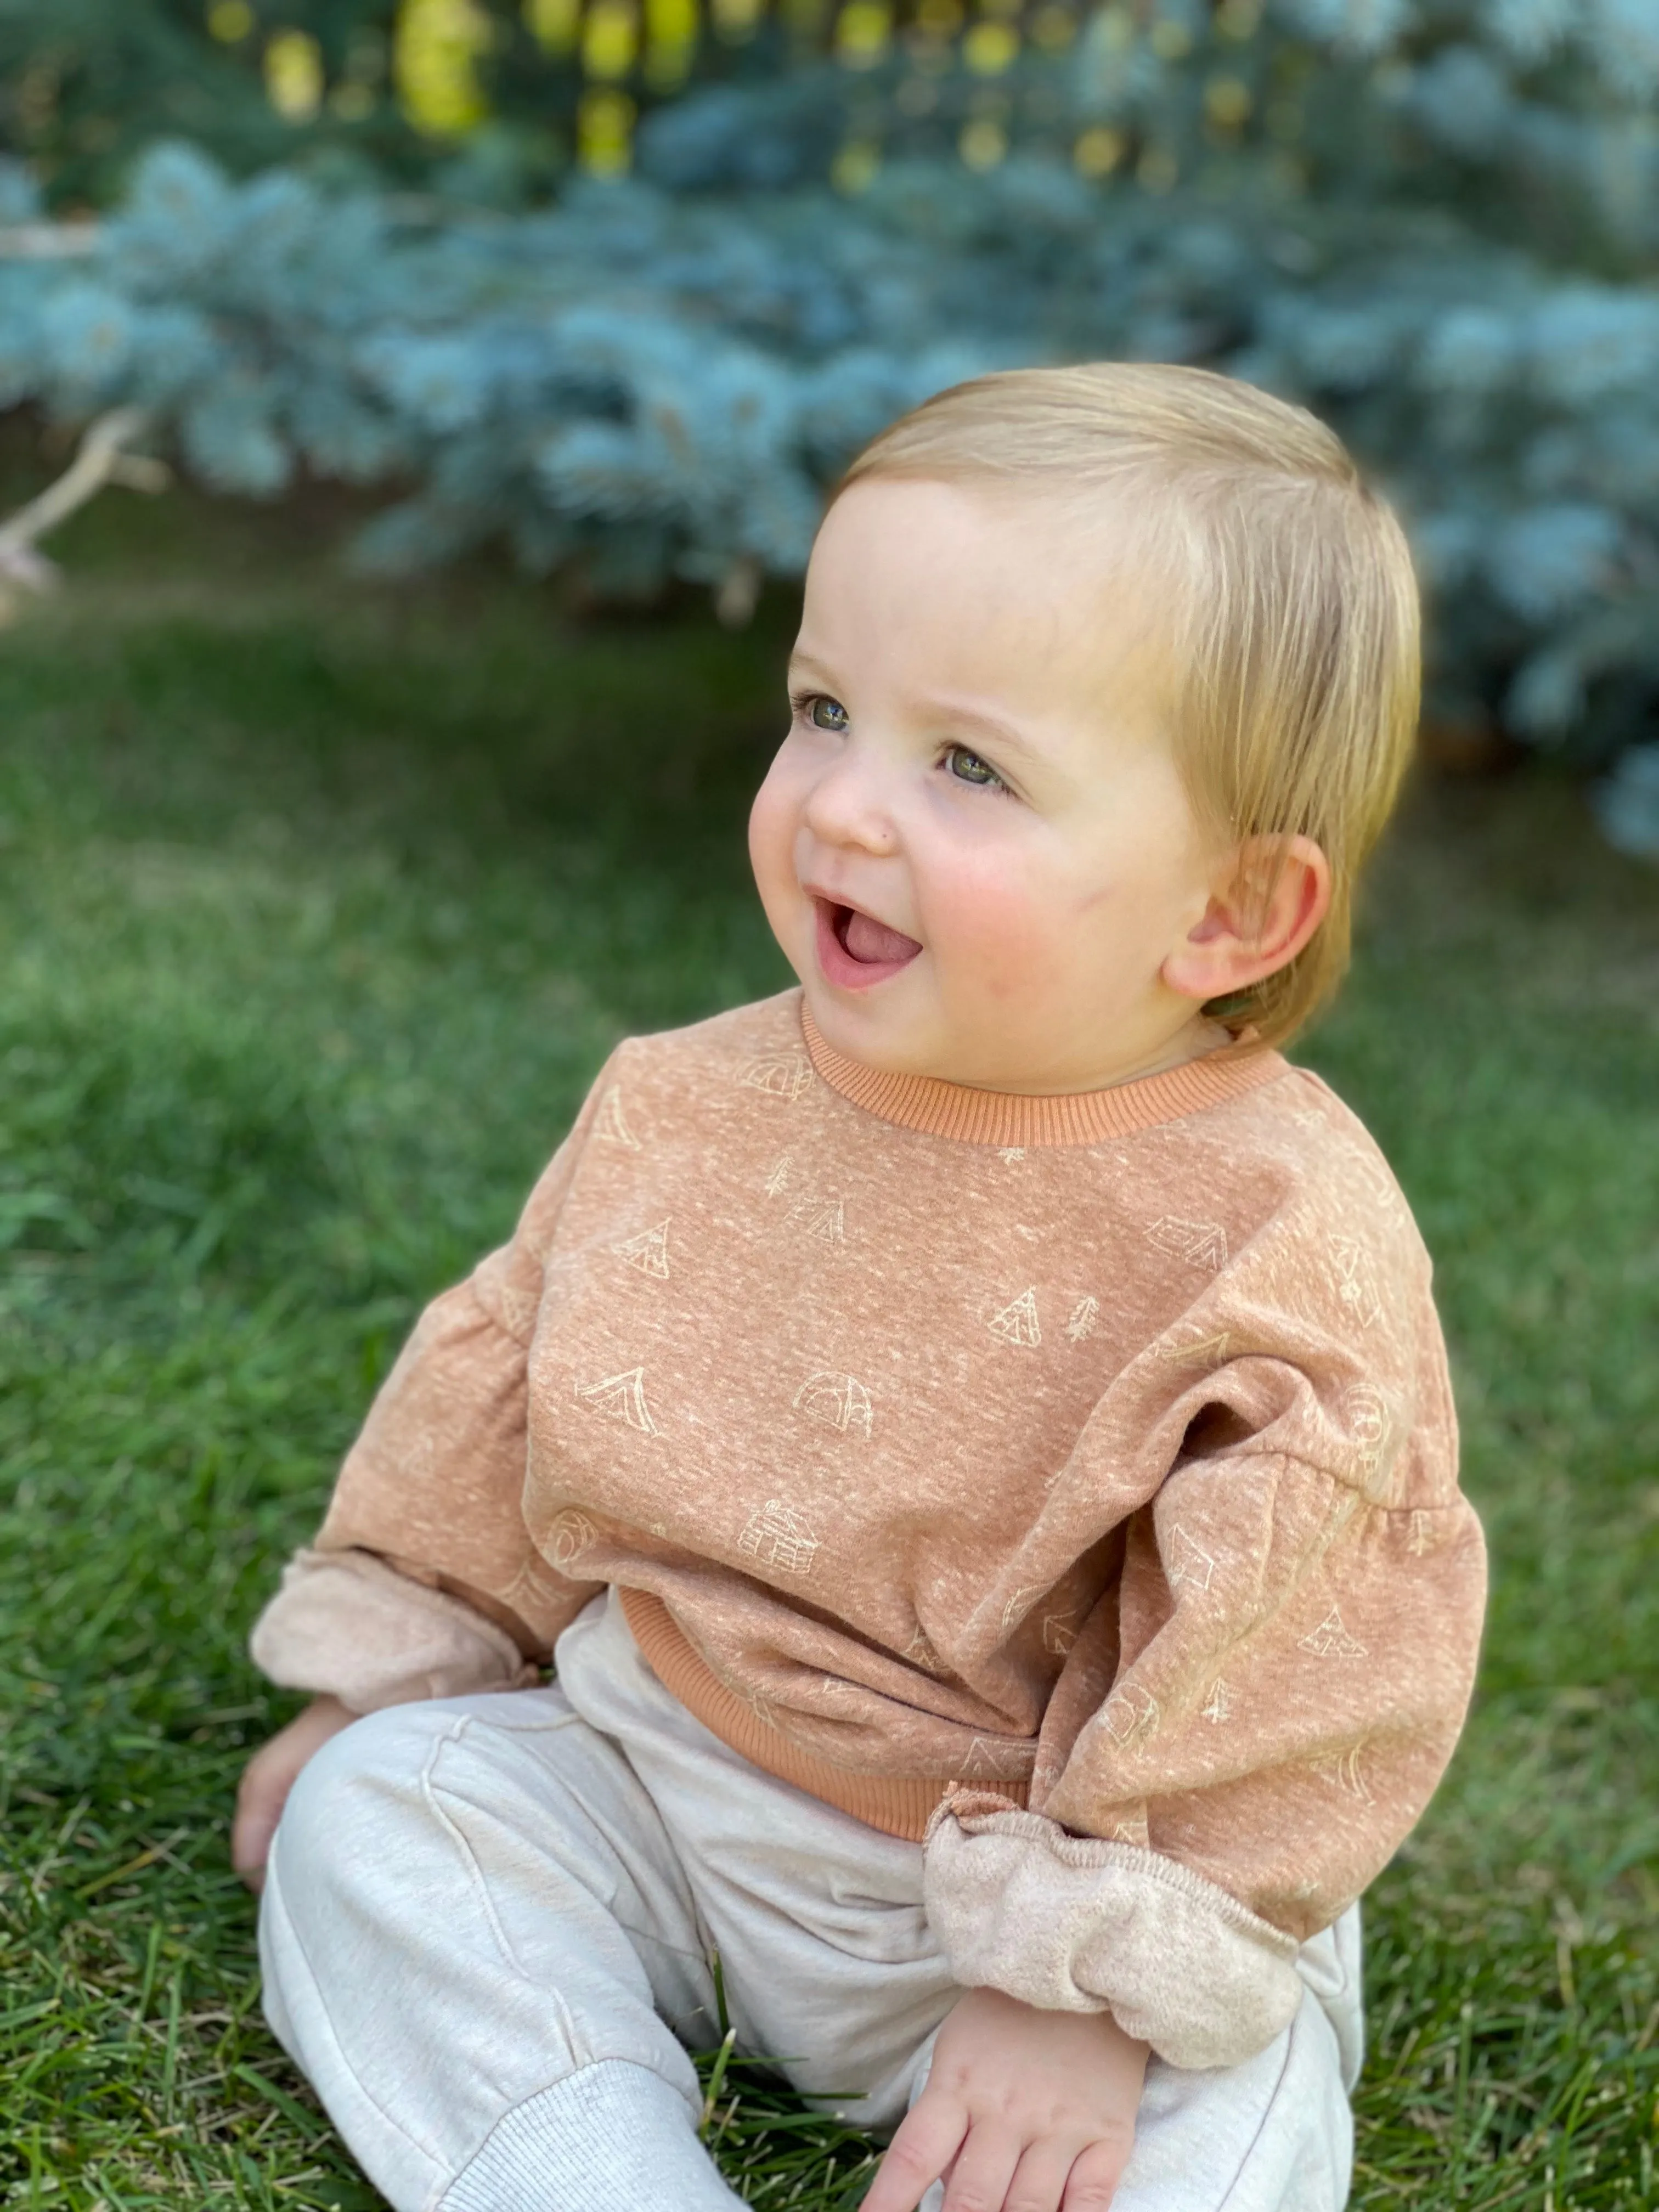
[(1299, 624)]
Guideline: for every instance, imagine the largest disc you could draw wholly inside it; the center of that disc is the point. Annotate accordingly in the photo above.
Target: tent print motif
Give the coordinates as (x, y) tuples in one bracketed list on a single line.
[(622, 1398), (1189, 1562), (1018, 1322), (1020, 1602), (781, 1075), (1331, 1640), (777, 1536), (611, 1124), (1131, 1716), (836, 1401), (1201, 1243), (648, 1251), (825, 1222)]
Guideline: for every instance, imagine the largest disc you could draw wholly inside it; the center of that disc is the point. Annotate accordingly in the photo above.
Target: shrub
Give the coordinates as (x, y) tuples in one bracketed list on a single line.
[(1436, 228)]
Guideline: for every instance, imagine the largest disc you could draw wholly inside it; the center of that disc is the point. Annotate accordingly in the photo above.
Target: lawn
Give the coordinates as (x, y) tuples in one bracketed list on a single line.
[(320, 907)]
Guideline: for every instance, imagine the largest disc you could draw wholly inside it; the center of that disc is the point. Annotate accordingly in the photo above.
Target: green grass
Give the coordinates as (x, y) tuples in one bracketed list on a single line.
[(318, 911)]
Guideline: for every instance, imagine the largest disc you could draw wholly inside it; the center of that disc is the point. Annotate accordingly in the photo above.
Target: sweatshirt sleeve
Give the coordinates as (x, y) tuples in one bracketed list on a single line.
[(1253, 1717), (422, 1580)]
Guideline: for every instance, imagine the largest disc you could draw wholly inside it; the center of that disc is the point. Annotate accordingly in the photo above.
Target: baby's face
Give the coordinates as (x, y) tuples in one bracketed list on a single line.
[(974, 846)]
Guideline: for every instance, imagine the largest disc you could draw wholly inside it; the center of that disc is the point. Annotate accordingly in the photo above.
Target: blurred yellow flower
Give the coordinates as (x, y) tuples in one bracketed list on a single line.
[(435, 62), (990, 48), (604, 132), (554, 24), (983, 143), (229, 20), (294, 74), (863, 30), (855, 167)]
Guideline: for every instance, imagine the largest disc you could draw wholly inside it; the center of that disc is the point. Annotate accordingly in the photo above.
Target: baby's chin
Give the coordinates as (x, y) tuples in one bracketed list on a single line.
[(895, 1031)]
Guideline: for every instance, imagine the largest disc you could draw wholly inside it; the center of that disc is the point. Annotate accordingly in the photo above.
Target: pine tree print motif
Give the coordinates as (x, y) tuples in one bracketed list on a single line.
[(1331, 1640), (1083, 1321), (1219, 1706), (648, 1251), (622, 1397), (777, 1175), (1199, 1350), (775, 1535), (611, 1124), (1425, 1536), (836, 1401), (1018, 1322)]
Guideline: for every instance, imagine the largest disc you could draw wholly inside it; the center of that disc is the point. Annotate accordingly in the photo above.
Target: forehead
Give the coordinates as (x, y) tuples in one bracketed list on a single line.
[(1024, 593)]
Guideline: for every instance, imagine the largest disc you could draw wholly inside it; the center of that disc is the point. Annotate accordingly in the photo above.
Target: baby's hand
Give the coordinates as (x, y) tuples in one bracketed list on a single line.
[(1026, 2111), (268, 1777)]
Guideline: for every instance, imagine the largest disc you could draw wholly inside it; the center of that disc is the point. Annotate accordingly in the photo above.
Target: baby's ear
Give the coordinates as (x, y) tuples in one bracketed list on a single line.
[(1268, 898)]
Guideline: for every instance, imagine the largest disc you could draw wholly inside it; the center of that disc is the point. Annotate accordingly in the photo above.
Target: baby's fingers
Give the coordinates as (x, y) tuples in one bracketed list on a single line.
[(1092, 2185), (985, 2167), (928, 2138)]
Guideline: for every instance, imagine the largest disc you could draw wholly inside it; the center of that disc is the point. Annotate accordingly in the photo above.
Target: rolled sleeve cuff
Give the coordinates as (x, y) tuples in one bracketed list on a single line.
[(345, 1625), (1072, 1923)]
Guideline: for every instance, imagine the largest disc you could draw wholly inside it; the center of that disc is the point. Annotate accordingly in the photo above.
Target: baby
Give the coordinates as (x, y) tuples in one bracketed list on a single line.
[(970, 1433)]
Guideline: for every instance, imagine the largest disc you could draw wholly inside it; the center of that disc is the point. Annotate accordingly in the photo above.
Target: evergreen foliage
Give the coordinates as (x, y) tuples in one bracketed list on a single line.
[(1437, 225)]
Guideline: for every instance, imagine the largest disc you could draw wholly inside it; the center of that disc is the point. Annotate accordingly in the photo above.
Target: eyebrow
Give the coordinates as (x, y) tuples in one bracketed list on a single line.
[(956, 712)]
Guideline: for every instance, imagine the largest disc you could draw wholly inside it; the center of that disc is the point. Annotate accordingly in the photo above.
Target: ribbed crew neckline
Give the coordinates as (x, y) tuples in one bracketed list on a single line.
[(1006, 1118)]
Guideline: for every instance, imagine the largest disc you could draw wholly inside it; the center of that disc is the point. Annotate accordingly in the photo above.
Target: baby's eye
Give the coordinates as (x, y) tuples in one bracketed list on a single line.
[(969, 768), (824, 713)]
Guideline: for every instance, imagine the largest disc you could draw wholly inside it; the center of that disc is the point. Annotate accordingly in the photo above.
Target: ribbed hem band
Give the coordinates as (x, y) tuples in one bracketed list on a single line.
[(898, 1804)]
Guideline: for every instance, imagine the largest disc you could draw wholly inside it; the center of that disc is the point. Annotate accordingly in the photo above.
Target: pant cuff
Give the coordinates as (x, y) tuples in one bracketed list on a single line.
[(610, 2137)]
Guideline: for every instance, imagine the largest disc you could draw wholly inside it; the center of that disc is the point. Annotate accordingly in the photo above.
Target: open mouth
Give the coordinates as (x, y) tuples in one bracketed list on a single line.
[(855, 950)]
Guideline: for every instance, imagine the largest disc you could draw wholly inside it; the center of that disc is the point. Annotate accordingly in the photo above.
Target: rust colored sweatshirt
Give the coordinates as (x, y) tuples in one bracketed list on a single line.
[(1068, 1484)]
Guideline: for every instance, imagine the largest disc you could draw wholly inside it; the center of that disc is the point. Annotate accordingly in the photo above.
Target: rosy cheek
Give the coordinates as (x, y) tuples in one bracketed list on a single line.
[(995, 927), (772, 823)]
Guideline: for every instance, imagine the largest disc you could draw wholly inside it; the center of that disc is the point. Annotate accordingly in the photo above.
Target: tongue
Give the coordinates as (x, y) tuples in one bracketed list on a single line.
[(867, 939)]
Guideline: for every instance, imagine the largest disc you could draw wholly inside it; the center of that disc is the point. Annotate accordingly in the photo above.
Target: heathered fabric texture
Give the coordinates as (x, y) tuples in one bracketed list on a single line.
[(1094, 1453)]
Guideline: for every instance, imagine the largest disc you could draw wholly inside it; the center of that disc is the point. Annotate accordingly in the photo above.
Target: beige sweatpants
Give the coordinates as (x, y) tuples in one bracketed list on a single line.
[(487, 1934)]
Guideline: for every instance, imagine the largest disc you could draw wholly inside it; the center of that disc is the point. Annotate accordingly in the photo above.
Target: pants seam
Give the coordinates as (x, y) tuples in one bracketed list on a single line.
[(1254, 2144), (431, 1791)]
